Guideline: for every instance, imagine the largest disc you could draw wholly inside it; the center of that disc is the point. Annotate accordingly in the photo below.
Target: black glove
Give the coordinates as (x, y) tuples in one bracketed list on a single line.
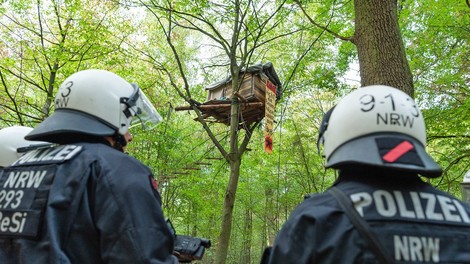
[(189, 248)]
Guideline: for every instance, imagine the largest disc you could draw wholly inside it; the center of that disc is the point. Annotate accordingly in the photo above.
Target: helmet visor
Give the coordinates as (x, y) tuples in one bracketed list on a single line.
[(142, 110)]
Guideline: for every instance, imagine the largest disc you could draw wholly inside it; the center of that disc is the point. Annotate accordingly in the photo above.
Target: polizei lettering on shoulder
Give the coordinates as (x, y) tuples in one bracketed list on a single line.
[(48, 155), (415, 207)]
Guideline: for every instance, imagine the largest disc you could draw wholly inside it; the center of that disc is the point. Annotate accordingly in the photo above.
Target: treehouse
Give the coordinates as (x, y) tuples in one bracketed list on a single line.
[(251, 96)]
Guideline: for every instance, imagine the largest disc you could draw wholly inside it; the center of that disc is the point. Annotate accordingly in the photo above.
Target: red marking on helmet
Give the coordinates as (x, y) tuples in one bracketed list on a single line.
[(398, 151)]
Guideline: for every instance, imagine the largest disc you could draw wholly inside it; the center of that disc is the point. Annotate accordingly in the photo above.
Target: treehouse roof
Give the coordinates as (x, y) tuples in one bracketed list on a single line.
[(260, 69)]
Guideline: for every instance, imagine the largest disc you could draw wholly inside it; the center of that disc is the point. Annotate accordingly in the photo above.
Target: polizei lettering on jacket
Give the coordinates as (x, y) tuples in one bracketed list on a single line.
[(49, 155), (23, 197), (411, 205)]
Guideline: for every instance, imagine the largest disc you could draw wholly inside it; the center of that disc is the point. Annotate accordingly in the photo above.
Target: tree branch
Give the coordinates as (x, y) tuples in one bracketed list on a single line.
[(351, 39)]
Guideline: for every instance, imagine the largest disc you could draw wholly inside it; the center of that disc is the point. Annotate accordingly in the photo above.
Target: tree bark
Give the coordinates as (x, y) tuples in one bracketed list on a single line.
[(382, 57), (247, 237), (227, 212)]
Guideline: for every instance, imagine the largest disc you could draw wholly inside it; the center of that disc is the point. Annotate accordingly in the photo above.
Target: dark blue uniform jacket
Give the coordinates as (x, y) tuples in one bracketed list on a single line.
[(81, 203), (415, 222)]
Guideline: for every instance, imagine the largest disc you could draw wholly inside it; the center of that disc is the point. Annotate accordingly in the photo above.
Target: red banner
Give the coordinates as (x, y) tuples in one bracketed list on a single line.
[(270, 106)]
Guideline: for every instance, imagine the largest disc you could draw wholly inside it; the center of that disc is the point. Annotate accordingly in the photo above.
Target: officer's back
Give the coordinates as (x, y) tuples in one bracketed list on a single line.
[(375, 137), (82, 200)]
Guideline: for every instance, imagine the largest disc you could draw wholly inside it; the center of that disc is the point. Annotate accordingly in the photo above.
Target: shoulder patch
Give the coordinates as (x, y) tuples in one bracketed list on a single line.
[(153, 182), (23, 199), (154, 186), (49, 155)]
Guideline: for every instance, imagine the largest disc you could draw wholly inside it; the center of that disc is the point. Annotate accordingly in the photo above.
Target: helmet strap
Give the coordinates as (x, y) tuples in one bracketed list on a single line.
[(119, 142)]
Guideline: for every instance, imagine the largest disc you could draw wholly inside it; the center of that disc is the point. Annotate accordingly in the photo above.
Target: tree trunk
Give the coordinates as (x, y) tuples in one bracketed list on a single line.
[(271, 218), (50, 91), (382, 57), (247, 237), (264, 231), (234, 159), (229, 201)]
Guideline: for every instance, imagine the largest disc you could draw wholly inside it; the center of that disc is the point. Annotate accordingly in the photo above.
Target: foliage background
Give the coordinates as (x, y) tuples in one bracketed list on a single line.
[(45, 41)]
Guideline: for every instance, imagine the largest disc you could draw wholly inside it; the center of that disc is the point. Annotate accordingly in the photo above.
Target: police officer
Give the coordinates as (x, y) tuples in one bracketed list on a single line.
[(375, 137), (84, 200), (13, 144)]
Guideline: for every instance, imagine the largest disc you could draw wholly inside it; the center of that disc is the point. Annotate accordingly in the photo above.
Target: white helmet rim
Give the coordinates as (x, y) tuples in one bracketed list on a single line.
[(64, 121), (367, 151)]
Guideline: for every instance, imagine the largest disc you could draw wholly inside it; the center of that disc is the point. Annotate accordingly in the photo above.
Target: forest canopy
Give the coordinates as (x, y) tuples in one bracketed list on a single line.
[(174, 51)]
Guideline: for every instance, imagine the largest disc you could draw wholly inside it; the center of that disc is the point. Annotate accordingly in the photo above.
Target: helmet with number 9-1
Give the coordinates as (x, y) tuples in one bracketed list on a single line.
[(95, 103), (378, 126), (13, 145)]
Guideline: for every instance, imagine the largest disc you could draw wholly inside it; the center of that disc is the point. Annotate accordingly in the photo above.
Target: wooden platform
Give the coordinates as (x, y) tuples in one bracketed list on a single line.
[(218, 111), (249, 112), (251, 95)]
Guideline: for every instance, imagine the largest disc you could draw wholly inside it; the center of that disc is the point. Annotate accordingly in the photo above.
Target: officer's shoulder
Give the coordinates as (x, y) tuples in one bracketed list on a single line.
[(321, 198), (315, 206), (101, 150), (114, 158)]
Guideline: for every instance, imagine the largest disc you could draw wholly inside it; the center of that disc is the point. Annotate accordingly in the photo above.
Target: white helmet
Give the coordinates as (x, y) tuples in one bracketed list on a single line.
[(13, 144), (466, 187), (97, 103), (380, 126)]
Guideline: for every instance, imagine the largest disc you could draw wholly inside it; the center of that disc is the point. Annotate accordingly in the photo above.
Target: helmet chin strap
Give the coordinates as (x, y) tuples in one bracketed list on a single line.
[(119, 142)]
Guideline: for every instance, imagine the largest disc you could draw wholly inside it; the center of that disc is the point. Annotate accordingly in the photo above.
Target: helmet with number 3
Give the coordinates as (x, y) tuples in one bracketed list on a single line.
[(378, 126), (95, 103)]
